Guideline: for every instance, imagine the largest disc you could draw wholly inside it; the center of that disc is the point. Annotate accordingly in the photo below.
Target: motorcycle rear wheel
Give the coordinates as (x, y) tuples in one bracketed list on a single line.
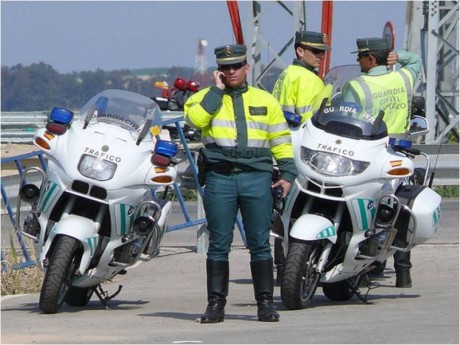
[(300, 278), (63, 263)]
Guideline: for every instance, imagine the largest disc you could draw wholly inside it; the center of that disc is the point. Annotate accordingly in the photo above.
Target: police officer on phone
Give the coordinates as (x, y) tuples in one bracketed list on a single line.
[(243, 129)]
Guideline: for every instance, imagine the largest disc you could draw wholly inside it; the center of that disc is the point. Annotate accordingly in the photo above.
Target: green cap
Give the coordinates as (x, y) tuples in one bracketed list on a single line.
[(230, 54), (312, 39), (371, 44)]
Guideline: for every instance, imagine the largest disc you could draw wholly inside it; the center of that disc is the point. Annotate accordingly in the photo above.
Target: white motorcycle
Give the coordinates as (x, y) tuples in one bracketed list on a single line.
[(349, 209), (101, 206)]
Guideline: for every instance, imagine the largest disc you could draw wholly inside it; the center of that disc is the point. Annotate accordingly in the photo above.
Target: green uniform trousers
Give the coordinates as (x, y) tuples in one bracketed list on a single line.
[(225, 194)]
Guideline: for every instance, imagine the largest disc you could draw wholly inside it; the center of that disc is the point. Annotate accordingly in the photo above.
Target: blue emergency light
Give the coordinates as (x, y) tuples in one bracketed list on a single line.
[(292, 118), (166, 148), (61, 115), (163, 153), (59, 120), (403, 143)]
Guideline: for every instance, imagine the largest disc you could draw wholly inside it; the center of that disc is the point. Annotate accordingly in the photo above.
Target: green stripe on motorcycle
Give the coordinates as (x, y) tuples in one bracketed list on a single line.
[(92, 242), (363, 213), (51, 191), (436, 215), (328, 232), (123, 219)]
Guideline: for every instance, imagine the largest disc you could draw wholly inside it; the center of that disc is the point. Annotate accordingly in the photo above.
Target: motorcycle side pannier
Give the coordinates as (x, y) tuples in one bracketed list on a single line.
[(424, 204)]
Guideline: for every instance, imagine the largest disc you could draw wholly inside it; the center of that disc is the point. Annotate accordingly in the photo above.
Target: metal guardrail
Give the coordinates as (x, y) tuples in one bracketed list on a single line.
[(444, 163)]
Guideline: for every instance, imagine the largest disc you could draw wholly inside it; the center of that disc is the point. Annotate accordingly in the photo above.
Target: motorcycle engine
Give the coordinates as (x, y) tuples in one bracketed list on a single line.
[(128, 252), (31, 224), (374, 244)]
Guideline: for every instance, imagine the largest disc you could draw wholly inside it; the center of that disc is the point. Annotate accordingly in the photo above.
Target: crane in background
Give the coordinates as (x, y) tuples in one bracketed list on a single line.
[(431, 31)]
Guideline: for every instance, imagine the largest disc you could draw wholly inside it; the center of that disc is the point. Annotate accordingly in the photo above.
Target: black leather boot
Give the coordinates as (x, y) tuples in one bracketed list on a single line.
[(402, 263), (217, 285), (403, 279), (402, 267), (262, 279)]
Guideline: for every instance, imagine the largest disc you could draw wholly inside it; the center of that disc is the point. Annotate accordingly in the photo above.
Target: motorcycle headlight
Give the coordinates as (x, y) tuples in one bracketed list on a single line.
[(96, 168), (332, 164)]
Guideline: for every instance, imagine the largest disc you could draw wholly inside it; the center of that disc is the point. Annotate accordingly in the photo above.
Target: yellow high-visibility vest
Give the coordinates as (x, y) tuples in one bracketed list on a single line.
[(264, 129), (297, 89), (389, 92)]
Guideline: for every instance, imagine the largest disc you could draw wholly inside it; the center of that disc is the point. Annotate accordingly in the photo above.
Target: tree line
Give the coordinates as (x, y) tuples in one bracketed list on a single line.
[(39, 87)]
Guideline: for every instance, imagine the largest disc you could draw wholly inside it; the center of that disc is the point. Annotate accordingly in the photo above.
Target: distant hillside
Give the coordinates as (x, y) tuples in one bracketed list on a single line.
[(39, 87)]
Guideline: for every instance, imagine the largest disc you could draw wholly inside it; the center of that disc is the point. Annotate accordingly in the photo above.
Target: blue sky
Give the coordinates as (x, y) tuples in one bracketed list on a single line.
[(86, 35)]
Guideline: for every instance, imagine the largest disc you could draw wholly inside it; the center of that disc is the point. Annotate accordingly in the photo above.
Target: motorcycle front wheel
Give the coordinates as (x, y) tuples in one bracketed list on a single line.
[(63, 263), (300, 278)]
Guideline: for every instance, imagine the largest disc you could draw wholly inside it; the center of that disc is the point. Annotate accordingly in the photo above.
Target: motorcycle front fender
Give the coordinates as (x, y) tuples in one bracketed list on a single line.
[(83, 229), (311, 227)]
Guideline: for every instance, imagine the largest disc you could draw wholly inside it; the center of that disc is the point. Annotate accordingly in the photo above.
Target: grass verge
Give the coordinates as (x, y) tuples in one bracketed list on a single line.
[(19, 281)]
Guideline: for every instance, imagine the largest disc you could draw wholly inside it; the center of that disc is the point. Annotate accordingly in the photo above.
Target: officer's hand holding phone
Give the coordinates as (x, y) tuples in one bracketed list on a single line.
[(218, 79)]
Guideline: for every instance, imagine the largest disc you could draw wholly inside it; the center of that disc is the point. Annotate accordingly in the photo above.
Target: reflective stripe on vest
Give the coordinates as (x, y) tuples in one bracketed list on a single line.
[(396, 116)]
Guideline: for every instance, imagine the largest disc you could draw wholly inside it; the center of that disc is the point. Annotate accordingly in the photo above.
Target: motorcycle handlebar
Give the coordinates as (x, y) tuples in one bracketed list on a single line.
[(407, 150)]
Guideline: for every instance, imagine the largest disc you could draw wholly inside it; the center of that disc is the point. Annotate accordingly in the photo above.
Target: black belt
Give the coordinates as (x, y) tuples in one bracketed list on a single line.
[(223, 168), (239, 153)]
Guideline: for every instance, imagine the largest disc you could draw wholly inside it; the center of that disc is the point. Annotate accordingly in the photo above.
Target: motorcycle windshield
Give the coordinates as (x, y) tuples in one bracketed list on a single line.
[(344, 118), (121, 108)]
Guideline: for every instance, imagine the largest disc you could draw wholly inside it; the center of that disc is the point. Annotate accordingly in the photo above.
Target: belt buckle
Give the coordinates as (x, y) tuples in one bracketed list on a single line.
[(235, 170)]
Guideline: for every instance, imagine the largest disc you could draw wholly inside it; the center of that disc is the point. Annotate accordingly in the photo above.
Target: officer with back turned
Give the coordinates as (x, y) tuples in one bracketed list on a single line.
[(381, 88)]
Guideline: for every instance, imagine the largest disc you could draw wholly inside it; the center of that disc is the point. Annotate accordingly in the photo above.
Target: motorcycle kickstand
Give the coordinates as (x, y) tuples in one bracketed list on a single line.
[(103, 295), (354, 287)]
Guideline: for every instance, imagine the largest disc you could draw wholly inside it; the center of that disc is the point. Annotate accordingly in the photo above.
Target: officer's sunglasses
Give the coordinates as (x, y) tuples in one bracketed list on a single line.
[(315, 51), (235, 66), (361, 55)]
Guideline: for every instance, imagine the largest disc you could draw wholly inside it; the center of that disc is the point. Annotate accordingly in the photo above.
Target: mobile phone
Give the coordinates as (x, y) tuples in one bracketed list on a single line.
[(221, 76)]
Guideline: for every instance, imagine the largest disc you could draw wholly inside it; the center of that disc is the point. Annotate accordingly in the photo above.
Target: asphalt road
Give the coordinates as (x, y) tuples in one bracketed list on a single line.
[(161, 299)]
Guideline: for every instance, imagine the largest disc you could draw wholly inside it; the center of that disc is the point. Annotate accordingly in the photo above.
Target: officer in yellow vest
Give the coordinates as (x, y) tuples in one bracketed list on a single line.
[(297, 89), (381, 88), (243, 129), (298, 85)]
